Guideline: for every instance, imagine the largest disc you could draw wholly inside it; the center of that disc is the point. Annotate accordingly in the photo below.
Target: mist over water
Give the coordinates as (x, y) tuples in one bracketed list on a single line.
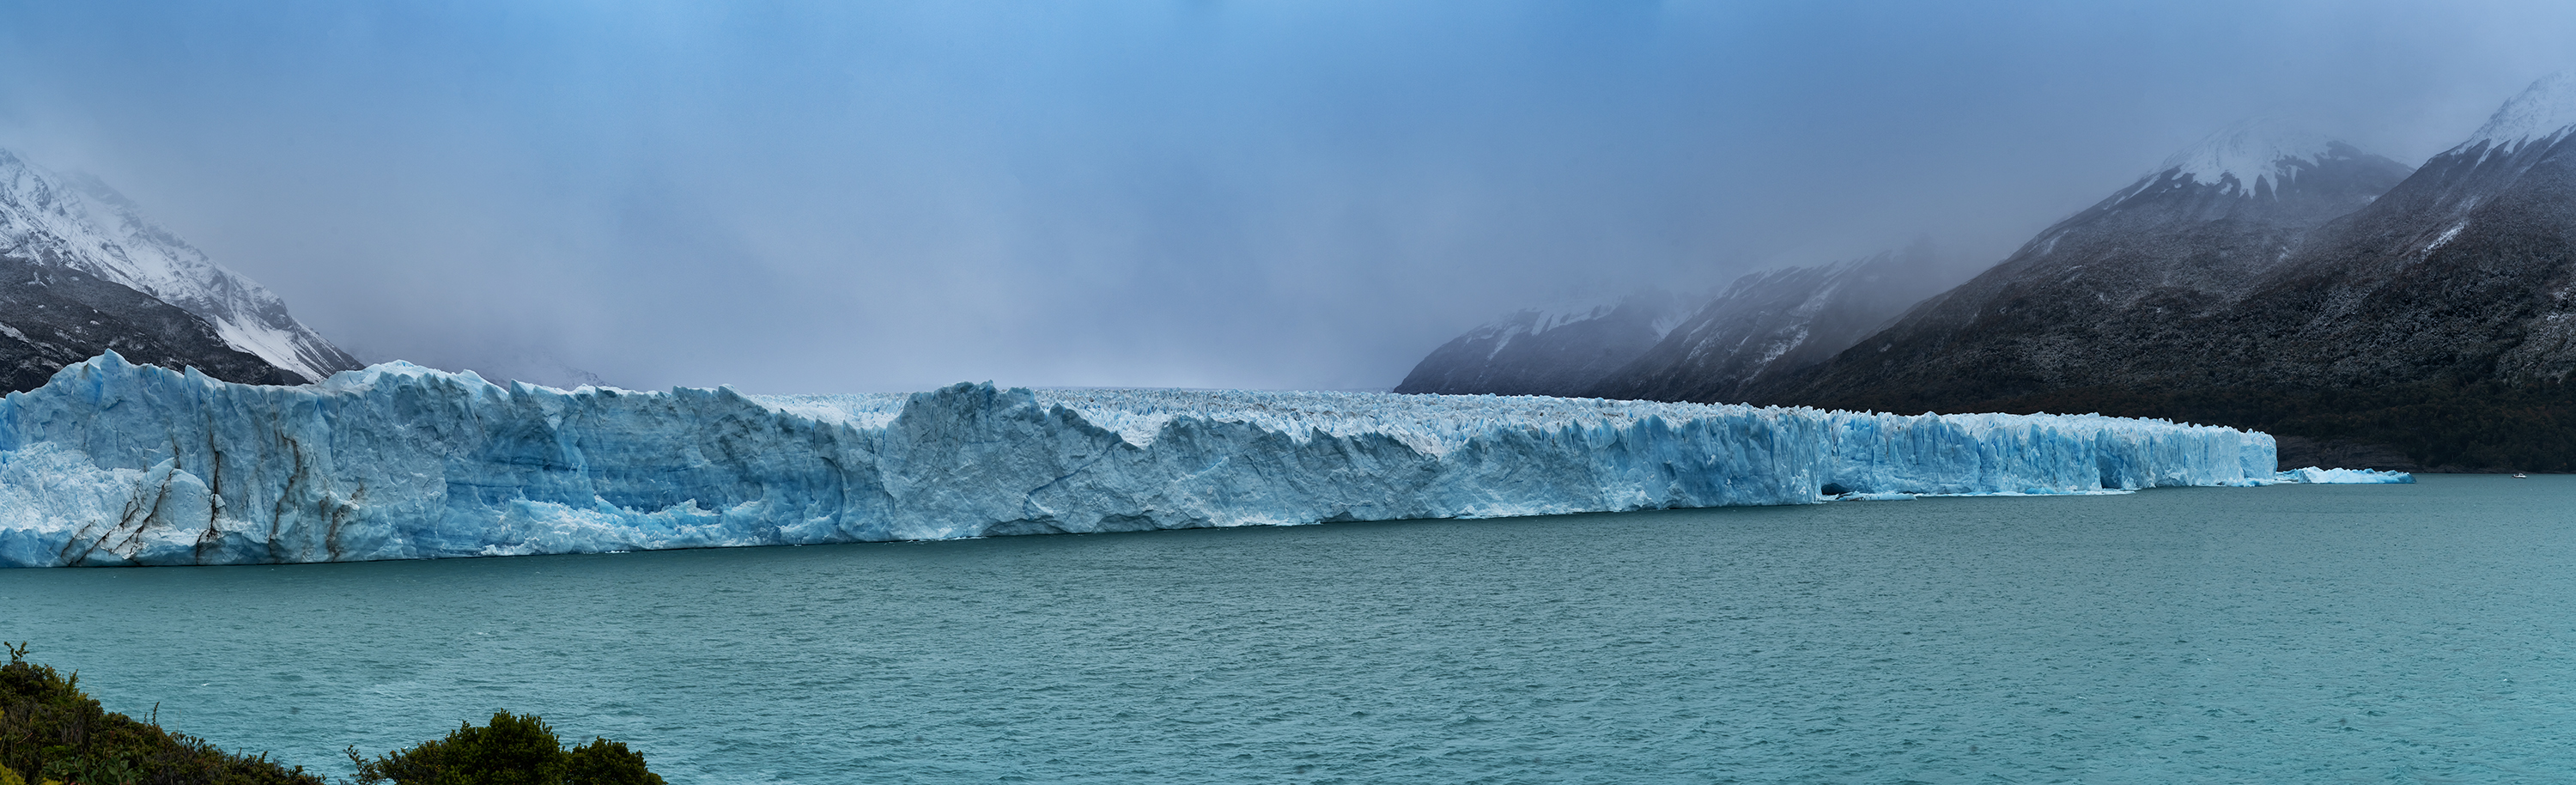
[(823, 197), (2278, 634)]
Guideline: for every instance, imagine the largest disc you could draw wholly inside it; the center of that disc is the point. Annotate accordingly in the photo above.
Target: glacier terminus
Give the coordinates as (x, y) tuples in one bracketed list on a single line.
[(112, 463)]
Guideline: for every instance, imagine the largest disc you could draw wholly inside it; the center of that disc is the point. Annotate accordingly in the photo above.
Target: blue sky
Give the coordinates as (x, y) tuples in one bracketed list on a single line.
[(886, 196)]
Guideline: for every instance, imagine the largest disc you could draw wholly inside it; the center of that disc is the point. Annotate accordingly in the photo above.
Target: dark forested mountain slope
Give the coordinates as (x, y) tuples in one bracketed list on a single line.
[(2434, 322), (2091, 300), (2461, 274)]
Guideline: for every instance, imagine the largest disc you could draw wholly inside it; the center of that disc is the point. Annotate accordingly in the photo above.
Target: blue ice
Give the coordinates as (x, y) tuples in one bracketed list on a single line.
[(112, 463)]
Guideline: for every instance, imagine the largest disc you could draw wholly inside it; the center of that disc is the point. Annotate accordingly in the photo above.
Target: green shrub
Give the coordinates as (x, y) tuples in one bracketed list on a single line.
[(604, 762), (513, 750), (50, 730)]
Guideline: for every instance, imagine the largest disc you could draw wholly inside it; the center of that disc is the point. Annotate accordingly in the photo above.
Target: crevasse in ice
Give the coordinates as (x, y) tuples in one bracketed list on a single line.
[(112, 463)]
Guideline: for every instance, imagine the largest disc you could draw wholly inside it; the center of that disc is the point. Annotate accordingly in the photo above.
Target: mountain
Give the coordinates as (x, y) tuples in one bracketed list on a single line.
[(2461, 274), (1652, 346), (1778, 321), (2437, 320), (78, 225), (2109, 296), (51, 317), (2433, 323), (1657, 346), (1560, 351)]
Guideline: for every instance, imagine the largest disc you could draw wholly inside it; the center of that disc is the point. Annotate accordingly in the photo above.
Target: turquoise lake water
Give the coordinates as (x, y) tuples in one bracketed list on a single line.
[(2291, 634)]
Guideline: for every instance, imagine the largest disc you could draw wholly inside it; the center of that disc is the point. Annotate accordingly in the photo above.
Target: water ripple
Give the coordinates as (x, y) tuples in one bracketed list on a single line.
[(2285, 634)]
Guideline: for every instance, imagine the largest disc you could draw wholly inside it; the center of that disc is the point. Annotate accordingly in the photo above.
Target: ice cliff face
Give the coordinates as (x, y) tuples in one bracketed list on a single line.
[(78, 224), (113, 463)]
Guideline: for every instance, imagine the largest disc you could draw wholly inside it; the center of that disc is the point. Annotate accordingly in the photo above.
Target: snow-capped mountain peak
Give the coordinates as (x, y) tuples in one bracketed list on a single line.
[(2251, 151), (1531, 321), (79, 223), (2544, 110)]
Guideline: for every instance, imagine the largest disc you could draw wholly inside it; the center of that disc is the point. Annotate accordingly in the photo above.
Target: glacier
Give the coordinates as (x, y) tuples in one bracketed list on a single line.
[(112, 463)]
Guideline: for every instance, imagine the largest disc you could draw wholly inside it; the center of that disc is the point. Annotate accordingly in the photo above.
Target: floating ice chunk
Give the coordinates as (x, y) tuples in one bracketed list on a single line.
[(2315, 476), (1890, 496), (112, 463)]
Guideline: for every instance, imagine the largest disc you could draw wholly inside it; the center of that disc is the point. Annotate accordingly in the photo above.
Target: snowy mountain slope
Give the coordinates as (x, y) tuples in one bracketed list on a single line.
[(2118, 294), (1778, 321), (2260, 156), (51, 317), (1561, 350), (78, 223), (2464, 272), (2542, 112)]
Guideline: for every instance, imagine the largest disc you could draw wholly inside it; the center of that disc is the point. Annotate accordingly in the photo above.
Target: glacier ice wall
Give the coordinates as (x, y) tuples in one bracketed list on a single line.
[(112, 463)]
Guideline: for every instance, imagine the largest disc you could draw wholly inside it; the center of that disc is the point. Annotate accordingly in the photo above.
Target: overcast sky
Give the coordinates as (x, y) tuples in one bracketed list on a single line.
[(835, 196)]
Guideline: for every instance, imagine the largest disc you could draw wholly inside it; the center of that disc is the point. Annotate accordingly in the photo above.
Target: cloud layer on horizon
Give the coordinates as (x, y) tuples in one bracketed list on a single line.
[(887, 196)]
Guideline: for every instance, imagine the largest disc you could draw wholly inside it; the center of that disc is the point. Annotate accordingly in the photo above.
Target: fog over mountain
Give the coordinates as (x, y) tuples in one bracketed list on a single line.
[(1658, 345), (1777, 322), (1562, 350), (893, 196)]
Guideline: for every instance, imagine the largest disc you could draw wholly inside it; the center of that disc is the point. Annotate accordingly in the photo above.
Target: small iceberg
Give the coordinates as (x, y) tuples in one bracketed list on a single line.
[(1888, 496), (2315, 476)]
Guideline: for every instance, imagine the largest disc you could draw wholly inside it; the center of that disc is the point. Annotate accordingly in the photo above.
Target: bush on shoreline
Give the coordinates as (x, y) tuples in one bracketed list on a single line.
[(513, 750), (51, 731), (53, 734)]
